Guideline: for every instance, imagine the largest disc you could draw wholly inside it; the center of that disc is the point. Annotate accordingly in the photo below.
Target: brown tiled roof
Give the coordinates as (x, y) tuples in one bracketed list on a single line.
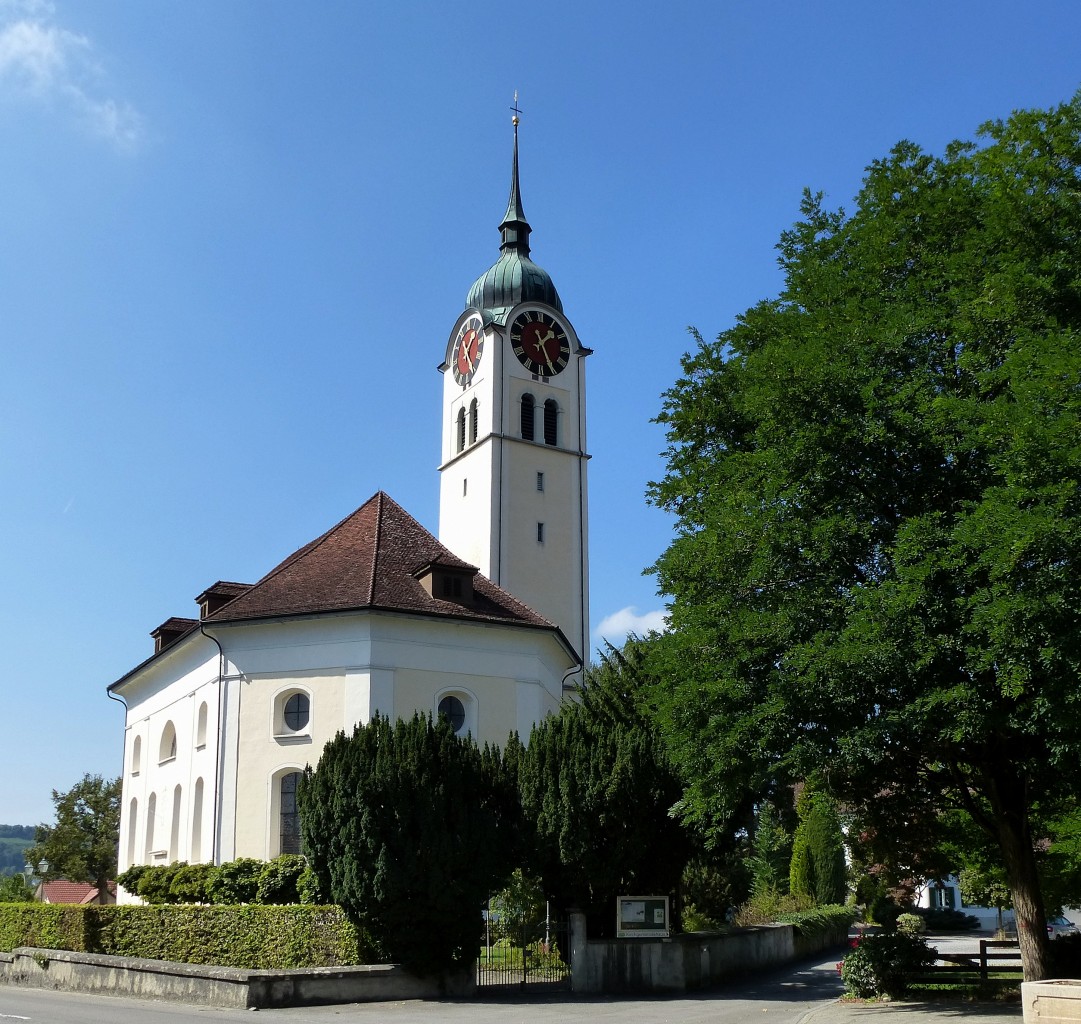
[(223, 588), (369, 561), (176, 625), (63, 891)]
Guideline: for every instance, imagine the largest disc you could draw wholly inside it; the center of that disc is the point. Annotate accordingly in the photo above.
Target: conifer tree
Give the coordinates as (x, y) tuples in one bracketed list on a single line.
[(818, 852), (405, 830), (598, 789)]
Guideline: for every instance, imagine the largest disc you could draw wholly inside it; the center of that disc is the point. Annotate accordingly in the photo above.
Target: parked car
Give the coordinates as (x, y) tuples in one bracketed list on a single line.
[(1059, 926)]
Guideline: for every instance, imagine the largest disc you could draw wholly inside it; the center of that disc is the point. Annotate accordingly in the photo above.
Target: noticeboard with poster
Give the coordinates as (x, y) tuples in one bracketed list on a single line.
[(642, 917)]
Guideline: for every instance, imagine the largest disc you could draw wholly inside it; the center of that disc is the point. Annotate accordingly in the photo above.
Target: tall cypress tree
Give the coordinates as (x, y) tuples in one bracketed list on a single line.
[(598, 789), (818, 852), (407, 831)]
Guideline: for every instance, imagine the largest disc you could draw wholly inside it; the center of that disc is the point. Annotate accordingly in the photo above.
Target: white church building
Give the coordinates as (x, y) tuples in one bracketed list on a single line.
[(488, 624)]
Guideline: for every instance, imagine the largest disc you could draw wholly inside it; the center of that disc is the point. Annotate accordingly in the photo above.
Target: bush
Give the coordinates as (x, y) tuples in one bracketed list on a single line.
[(308, 890), (948, 920), (768, 907), (130, 879), (268, 938), (278, 881), (879, 965), (189, 884), (156, 882), (236, 881), (829, 920), (884, 912), (47, 925), (911, 924)]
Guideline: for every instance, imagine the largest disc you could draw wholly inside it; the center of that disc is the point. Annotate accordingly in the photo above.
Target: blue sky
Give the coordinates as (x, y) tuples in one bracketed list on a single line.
[(234, 238)]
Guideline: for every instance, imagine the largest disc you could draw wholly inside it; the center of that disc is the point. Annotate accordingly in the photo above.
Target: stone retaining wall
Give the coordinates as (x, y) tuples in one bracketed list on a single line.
[(684, 962), (218, 986)]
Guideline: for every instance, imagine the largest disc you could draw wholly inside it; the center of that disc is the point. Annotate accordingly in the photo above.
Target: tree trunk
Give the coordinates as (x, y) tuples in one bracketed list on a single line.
[(1015, 841)]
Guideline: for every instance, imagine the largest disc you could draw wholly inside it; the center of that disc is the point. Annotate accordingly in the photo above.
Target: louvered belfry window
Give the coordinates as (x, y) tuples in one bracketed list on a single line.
[(473, 422), (527, 417), (551, 419), (461, 429)]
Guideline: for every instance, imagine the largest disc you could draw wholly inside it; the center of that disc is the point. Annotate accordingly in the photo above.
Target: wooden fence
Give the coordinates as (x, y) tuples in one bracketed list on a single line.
[(975, 967)]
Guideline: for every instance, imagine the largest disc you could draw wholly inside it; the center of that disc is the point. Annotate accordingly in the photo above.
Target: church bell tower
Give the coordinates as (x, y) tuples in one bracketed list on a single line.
[(512, 497)]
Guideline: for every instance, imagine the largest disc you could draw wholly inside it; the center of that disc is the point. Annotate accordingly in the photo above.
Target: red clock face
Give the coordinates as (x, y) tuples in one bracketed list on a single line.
[(467, 350), (540, 343)]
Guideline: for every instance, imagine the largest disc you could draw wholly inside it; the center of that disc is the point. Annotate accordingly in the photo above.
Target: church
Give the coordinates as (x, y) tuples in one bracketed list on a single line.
[(487, 624)]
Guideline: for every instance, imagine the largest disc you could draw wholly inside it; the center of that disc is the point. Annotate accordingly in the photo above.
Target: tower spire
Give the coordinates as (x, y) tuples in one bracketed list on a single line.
[(514, 227)]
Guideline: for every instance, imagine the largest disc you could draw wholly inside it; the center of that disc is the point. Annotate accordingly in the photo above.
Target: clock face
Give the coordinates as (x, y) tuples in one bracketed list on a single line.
[(540, 343), (467, 350)]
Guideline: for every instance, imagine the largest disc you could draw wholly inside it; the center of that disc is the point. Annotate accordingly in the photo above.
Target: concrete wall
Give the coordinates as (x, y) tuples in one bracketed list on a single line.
[(683, 962), (219, 986)]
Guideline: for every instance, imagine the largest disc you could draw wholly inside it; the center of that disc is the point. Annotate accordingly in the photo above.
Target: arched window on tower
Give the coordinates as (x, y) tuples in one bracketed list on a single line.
[(528, 409), (461, 429), (473, 422), (551, 420)]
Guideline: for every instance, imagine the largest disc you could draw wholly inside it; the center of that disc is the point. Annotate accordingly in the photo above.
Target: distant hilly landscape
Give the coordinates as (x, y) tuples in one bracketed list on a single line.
[(13, 840)]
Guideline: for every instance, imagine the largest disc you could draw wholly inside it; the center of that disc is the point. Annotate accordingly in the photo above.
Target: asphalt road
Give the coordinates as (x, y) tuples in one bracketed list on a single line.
[(785, 997)]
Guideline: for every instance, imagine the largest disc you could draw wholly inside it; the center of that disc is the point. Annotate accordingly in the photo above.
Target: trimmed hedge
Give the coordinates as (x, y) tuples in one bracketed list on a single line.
[(254, 937), (831, 920), (48, 925)]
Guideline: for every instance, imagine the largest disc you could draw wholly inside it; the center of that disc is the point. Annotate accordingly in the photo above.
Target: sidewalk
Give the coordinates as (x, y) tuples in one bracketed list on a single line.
[(914, 1013)]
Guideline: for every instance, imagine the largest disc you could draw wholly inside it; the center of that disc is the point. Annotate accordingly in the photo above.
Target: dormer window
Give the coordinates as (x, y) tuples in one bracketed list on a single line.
[(448, 582)]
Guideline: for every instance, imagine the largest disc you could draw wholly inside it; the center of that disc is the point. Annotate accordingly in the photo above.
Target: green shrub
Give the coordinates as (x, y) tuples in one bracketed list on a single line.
[(191, 882), (130, 879), (155, 883), (236, 881), (767, 907), (829, 920), (251, 937), (911, 924), (943, 920), (879, 965), (884, 912), (278, 881), (308, 887), (48, 925)]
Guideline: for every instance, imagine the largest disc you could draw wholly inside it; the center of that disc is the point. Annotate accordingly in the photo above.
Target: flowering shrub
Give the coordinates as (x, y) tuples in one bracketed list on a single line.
[(879, 964)]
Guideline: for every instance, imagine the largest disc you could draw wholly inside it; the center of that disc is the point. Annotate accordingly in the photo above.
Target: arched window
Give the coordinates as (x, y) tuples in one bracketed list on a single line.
[(473, 422), (453, 710), (289, 815), (551, 419), (174, 831), (461, 429), (133, 827), (167, 747), (137, 756), (197, 823), (296, 712), (200, 727), (151, 813), (528, 407)]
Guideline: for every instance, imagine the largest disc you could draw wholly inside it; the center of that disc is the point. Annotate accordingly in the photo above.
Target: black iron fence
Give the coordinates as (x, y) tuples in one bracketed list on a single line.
[(533, 955)]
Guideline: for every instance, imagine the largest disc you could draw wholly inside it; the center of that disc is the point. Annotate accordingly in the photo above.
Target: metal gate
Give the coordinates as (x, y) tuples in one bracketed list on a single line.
[(534, 956)]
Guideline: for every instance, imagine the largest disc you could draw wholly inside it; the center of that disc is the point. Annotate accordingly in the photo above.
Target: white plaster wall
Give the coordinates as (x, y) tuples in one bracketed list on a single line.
[(351, 665)]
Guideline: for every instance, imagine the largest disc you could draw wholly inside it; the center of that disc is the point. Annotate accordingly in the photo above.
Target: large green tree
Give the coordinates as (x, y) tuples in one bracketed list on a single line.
[(876, 581), (82, 845), (403, 827), (598, 791)]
